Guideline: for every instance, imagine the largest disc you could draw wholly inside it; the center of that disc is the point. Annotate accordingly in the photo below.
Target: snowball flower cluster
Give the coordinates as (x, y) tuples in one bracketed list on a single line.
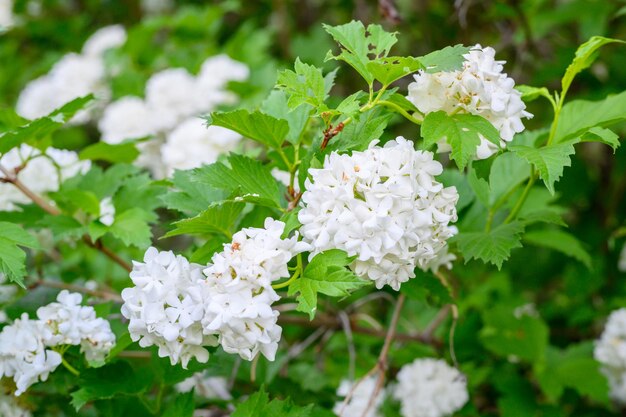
[(75, 75), (238, 288), (66, 322), (430, 388), (360, 399), (480, 88), (165, 307), (610, 351), (209, 387), (173, 97), (384, 206), (43, 172)]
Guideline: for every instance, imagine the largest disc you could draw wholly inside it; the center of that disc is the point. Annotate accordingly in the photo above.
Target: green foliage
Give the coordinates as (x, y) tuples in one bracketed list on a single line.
[(263, 128), (560, 241), (259, 405), (101, 151), (492, 246), (305, 85), (12, 257), (220, 219)]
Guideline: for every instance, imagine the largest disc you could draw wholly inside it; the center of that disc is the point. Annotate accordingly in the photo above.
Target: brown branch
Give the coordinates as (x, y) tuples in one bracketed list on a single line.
[(47, 207), (106, 295), (330, 133)]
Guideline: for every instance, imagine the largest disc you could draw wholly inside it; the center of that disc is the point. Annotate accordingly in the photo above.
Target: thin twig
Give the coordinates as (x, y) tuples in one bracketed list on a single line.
[(436, 322), (345, 322)]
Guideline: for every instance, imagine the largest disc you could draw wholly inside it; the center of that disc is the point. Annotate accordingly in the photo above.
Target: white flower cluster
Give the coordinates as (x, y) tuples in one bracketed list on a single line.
[(6, 15), (360, 399), (209, 387), (238, 288), (75, 75), (9, 407), (480, 88), (24, 353), (180, 310), (384, 206), (66, 322), (43, 172), (165, 307), (430, 388), (173, 99), (610, 351)]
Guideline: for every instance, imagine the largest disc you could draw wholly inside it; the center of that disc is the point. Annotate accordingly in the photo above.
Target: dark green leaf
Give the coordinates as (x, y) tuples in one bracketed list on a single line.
[(491, 247), (560, 241), (257, 126)]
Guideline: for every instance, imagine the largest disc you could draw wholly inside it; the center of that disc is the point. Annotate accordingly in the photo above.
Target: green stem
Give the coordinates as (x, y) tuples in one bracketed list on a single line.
[(520, 202), (293, 277), (399, 110), (69, 367)]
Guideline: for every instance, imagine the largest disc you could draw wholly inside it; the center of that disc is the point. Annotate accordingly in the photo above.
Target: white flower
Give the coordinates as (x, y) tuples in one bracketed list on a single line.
[(103, 39), (9, 408), (165, 307), (43, 172), (209, 387), (171, 93), (382, 205), (621, 263), (127, 118), (214, 75), (23, 355), (7, 290), (107, 211), (430, 388), (238, 289), (193, 144), (480, 88), (66, 322), (360, 399), (6, 15), (610, 351)]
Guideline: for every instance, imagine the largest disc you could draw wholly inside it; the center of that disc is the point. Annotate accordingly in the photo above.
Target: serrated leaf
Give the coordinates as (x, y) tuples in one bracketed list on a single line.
[(490, 247), (359, 134), (255, 125), (44, 126), (389, 69), (102, 151), (259, 405), (12, 257), (600, 134), (585, 55), (132, 227), (304, 85), (182, 406), (190, 196), (246, 178), (219, 219), (460, 131), (276, 105), (548, 160), (530, 93), (326, 274), (560, 241), (449, 58), (507, 172)]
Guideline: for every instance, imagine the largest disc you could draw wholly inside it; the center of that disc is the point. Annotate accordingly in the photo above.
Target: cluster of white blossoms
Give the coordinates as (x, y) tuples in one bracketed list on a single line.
[(10, 408), (384, 206), (430, 388), (610, 351), (480, 88), (209, 387), (181, 308), (66, 322), (24, 345), (42, 173), (168, 115), (75, 75), (360, 399)]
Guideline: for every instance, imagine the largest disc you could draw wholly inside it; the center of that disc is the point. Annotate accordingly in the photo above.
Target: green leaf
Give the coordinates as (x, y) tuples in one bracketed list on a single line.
[(600, 134), (507, 172), (548, 160), (358, 135), (524, 336), (425, 284), (102, 151), (304, 85), (63, 226), (357, 44), (257, 126), (276, 106), (219, 219), (585, 55), (12, 257), (246, 178), (259, 405), (532, 93), (460, 131), (182, 406), (389, 69), (449, 58), (601, 113), (132, 227), (107, 382), (560, 241), (190, 196), (326, 274), (41, 128), (490, 247)]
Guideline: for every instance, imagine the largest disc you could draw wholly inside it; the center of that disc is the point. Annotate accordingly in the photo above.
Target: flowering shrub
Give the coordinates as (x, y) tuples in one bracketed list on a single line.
[(221, 246)]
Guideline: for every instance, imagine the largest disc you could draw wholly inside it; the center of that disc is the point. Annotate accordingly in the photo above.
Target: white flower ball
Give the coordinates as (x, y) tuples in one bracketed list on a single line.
[(382, 205), (103, 39), (170, 94), (610, 351), (360, 399), (430, 388)]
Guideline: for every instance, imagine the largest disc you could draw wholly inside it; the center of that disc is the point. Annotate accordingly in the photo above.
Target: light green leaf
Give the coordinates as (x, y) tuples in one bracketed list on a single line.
[(276, 106), (507, 172), (560, 241), (257, 126), (304, 85), (102, 151), (548, 160), (460, 131), (490, 247), (532, 93), (219, 219), (389, 69), (12, 257), (190, 196), (359, 134), (259, 405), (246, 178), (449, 58), (132, 227), (585, 55), (600, 134)]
